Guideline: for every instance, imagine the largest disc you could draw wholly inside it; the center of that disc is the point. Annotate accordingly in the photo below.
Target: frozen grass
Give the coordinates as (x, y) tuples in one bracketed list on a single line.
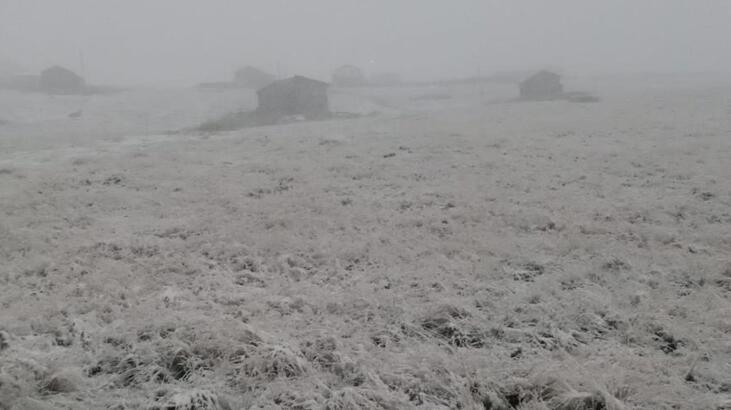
[(468, 258)]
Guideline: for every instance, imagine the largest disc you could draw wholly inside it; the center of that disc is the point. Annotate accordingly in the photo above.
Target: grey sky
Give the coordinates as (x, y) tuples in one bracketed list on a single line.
[(187, 41)]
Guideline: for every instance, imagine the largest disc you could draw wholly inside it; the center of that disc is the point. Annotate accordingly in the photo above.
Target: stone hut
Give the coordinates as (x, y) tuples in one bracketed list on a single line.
[(349, 76), (59, 80), (253, 78), (294, 96), (386, 79), (544, 85)]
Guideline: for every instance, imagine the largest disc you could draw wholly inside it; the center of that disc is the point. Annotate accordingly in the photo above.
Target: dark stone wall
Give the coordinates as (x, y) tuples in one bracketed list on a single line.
[(60, 80), (309, 100)]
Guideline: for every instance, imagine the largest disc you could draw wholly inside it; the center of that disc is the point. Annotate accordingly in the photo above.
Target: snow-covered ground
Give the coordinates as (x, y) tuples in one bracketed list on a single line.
[(452, 250)]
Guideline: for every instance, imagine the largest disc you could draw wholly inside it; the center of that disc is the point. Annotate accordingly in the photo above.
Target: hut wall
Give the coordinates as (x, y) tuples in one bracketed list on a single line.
[(308, 99), (541, 89)]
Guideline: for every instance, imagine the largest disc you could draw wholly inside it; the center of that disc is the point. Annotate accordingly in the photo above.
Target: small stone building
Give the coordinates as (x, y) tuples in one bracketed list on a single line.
[(386, 79), (544, 85), (8, 68), (294, 96), (349, 76), (21, 82), (253, 78), (59, 80)]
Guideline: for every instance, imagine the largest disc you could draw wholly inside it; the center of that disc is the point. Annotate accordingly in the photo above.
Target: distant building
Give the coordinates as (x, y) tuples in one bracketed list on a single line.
[(252, 77), (510, 77), (21, 82), (9, 68), (386, 79), (294, 96), (13, 78), (544, 85), (59, 80), (349, 76)]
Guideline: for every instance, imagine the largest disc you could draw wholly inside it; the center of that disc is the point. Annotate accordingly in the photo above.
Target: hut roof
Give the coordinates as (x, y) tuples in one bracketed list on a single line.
[(58, 70), (250, 70), (348, 69), (253, 77), (542, 76), (294, 82)]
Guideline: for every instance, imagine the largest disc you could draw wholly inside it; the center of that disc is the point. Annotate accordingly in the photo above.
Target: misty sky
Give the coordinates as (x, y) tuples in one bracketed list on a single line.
[(188, 41)]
